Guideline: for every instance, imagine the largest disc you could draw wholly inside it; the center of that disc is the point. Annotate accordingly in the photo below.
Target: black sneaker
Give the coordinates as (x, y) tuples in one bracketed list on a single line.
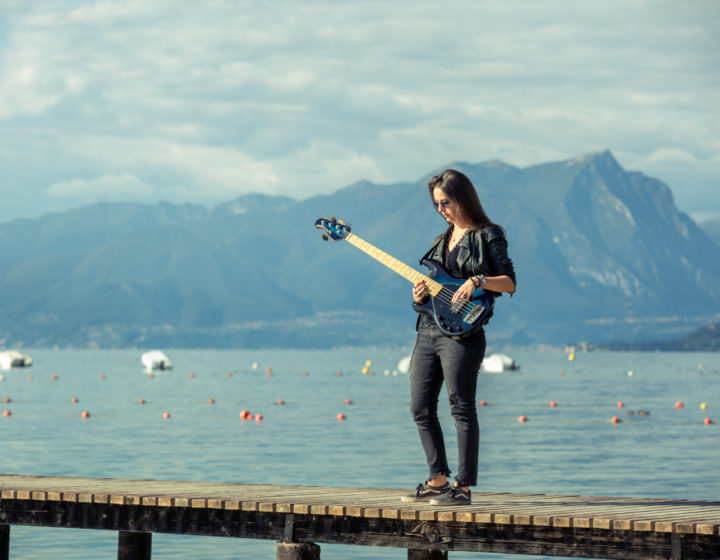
[(453, 496), (424, 492)]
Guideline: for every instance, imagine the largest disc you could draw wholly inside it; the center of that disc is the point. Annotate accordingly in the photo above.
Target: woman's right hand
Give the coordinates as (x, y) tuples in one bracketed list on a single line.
[(420, 292)]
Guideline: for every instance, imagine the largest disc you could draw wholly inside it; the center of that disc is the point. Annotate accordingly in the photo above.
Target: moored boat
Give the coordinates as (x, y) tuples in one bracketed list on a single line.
[(14, 359), (156, 360), (498, 363)]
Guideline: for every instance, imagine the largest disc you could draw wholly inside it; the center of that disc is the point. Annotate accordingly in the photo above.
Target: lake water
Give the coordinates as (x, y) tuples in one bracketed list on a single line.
[(573, 448)]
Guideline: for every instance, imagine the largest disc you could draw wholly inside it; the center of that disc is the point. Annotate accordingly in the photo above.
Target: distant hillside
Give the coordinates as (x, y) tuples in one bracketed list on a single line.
[(601, 254), (704, 339)]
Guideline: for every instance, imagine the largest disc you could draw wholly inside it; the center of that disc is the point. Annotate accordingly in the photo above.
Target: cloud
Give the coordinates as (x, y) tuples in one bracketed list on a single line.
[(210, 99), (108, 187)]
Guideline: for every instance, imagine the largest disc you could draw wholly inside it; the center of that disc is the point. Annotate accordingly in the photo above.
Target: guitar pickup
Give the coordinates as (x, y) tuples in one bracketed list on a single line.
[(474, 314)]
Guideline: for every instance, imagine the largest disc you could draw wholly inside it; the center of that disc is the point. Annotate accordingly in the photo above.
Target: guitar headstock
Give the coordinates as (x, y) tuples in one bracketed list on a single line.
[(333, 228)]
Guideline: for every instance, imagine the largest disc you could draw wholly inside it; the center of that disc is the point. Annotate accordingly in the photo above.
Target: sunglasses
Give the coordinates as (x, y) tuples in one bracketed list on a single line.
[(443, 203)]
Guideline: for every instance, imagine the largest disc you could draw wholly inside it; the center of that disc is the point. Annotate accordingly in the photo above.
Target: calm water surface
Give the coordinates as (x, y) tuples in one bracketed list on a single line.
[(573, 448)]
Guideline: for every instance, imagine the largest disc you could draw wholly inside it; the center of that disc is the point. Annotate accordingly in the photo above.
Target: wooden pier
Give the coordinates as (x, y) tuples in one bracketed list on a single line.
[(299, 517)]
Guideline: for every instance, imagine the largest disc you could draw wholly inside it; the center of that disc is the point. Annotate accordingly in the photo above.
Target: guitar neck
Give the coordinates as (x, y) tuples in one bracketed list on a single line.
[(395, 265)]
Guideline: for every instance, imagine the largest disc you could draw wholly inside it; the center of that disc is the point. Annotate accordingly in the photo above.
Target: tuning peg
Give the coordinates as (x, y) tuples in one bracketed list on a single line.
[(325, 237)]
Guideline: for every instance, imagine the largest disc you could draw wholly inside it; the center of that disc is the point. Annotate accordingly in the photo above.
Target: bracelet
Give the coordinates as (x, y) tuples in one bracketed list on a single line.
[(482, 279), (472, 279)]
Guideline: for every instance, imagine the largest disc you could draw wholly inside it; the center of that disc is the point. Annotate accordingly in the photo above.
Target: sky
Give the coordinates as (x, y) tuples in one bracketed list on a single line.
[(202, 101)]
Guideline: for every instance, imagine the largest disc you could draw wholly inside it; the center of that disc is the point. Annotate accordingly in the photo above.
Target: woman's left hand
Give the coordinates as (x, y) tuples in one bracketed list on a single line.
[(464, 292)]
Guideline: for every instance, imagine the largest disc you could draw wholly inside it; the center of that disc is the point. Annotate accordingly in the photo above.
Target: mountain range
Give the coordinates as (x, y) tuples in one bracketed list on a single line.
[(601, 254)]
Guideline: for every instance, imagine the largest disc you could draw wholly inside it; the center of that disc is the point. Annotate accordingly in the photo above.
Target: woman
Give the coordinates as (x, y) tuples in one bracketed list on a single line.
[(473, 248)]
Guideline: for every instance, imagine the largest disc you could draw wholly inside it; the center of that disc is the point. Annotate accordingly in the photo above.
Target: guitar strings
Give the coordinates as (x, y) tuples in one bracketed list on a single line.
[(385, 258), (447, 299)]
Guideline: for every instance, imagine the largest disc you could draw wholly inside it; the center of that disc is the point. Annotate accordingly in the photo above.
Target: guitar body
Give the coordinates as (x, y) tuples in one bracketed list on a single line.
[(457, 321)]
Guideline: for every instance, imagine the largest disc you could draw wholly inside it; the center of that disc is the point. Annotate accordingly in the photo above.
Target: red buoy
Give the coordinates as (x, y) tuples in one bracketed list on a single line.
[(553, 404), (348, 401), (615, 420), (7, 413), (679, 404), (85, 414), (74, 400), (211, 401), (707, 421), (483, 403), (620, 404), (166, 415), (341, 416), (258, 417), (141, 401), (522, 418)]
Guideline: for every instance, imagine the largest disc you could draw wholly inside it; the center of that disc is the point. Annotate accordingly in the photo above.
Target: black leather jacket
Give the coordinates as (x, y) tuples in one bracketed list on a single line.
[(482, 251)]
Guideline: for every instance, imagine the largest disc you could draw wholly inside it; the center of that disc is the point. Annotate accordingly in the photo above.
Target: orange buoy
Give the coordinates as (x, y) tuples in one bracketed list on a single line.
[(102, 376), (306, 373), (553, 404), (483, 403), (228, 374), (258, 417), (74, 400), (6, 399), (338, 373), (679, 404), (211, 401), (279, 401), (85, 414), (7, 413), (244, 414), (141, 401), (341, 416), (191, 375), (166, 415), (522, 418), (615, 420), (348, 401), (707, 421), (54, 377), (620, 404)]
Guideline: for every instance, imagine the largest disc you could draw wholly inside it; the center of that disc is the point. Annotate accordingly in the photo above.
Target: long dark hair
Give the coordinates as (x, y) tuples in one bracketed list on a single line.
[(461, 191)]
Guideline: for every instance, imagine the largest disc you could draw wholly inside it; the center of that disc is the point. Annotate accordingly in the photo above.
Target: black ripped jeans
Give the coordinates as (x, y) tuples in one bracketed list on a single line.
[(437, 359)]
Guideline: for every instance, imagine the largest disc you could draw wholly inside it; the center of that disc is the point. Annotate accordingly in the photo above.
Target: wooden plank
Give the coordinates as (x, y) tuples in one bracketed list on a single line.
[(539, 510)]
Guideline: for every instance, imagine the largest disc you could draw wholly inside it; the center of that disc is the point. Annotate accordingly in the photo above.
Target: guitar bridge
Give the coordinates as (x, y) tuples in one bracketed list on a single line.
[(474, 314)]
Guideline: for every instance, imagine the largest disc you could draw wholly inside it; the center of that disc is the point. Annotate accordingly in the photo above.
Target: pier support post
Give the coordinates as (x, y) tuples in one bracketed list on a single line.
[(4, 542), (134, 546), (297, 551), (426, 554)]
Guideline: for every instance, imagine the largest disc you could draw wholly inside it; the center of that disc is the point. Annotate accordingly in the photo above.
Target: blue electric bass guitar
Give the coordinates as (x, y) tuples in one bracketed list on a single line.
[(457, 321)]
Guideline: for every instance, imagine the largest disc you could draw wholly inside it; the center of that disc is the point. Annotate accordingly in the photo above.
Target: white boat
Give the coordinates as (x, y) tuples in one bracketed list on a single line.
[(404, 365), (498, 363), (14, 359), (156, 359)]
